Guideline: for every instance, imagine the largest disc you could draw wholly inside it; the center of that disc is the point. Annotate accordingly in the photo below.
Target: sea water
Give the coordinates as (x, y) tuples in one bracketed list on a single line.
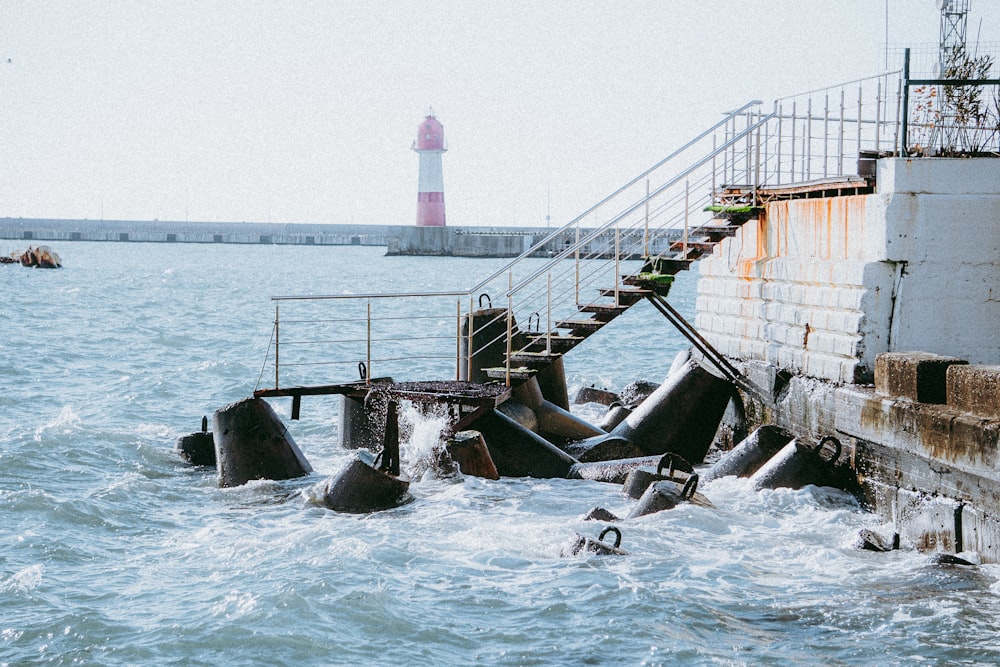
[(114, 551)]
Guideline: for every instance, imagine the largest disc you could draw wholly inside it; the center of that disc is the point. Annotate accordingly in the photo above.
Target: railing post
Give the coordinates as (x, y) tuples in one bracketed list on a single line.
[(645, 235), (684, 243), (826, 133), (368, 354), (618, 254), (548, 314), (472, 320), (510, 322), (860, 111), (905, 138), (808, 149), (458, 339), (576, 281), (756, 171), (777, 168), (840, 140), (276, 344), (878, 116), (791, 153)]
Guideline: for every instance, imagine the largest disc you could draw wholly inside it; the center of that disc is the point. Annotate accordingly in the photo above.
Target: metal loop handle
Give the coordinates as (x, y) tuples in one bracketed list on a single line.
[(362, 370), (837, 449), (673, 462), (690, 486), (612, 529), (489, 301)]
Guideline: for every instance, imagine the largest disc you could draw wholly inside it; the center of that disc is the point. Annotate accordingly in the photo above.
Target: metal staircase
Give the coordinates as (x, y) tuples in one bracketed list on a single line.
[(625, 249)]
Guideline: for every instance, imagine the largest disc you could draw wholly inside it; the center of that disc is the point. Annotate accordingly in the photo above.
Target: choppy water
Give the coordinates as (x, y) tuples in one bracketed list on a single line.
[(113, 551)]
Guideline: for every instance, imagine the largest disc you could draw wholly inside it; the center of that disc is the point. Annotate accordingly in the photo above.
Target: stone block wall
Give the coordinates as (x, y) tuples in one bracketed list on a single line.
[(820, 287)]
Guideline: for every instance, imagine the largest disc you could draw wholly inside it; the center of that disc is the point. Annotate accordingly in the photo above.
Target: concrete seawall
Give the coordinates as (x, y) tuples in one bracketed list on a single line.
[(156, 231)]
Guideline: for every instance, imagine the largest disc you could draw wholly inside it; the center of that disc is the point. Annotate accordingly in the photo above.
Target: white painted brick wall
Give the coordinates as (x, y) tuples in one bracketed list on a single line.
[(923, 254)]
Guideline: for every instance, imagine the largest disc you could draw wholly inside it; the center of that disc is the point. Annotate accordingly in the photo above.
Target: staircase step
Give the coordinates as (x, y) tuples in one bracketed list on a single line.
[(704, 247), (665, 266), (606, 311), (536, 359), (515, 373), (587, 326), (715, 233), (627, 295)]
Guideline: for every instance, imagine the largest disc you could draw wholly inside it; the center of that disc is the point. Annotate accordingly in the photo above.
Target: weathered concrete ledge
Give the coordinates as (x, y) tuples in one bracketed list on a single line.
[(918, 376)]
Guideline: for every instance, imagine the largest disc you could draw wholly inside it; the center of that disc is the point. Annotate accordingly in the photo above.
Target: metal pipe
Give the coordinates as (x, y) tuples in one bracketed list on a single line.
[(826, 134), (276, 345), (368, 365), (903, 150)]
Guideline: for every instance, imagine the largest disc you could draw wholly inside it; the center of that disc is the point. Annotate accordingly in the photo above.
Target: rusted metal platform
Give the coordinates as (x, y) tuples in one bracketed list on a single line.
[(452, 392)]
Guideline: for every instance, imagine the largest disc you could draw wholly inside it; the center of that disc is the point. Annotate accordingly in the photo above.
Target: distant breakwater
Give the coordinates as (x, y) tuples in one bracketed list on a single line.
[(465, 241)]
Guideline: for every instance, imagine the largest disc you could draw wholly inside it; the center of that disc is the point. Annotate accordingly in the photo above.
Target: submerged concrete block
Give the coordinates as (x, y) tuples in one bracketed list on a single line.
[(252, 443), (975, 389), (918, 376)]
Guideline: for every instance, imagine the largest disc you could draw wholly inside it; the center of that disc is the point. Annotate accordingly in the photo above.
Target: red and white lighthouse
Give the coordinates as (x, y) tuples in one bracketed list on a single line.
[(430, 187)]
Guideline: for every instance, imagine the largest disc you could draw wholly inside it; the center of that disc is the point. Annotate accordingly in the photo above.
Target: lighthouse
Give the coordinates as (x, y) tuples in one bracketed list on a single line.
[(430, 187)]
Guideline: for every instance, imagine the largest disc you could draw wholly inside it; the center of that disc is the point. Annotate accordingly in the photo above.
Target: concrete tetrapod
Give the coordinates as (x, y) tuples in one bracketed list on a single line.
[(517, 452), (361, 487), (666, 495), (554, 422), (198, 448), (468, 451), (612, 472), (681, 416), (666, 468), (252, 443), (581, 544), (749, 455), (797, 465)]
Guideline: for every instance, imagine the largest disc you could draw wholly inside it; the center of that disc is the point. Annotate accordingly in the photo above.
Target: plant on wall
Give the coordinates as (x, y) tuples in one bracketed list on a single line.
[(953, 120)]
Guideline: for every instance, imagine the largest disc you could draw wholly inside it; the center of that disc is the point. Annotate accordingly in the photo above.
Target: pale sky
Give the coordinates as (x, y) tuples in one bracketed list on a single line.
[(305, 111)]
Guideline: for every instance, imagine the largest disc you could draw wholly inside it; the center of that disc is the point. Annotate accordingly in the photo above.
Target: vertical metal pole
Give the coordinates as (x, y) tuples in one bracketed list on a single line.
[(276, 344), (826, 133), (548, 314), (684, 244), (576, 280), (878, 116), (368, 355), (510, 321), (714, 167), (791, 171), (645, 237), (618, 275), (777, 169), (807, 151), (472, 321), (458, 339), (905, 138), (861, 110), (756, 172), (840, 139)]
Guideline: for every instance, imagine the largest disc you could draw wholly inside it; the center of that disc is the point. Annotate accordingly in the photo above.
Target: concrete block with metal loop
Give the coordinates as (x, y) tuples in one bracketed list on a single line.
[(483, 341), (749, 455), (798, 464), (581, 544), (252, 443), (670, 467), (668, 494), (611, 472)]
